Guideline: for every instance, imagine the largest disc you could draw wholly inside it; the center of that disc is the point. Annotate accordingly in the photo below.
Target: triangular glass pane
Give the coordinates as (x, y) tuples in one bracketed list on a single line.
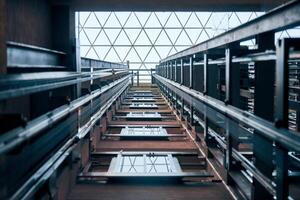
[(163, 39), (204, 36), (80, 29), (278, 35), (83, 16), (92, 34), (142, 39), (173, 34), (112, 34), (294, 32), (112, 22), (112, 56), (204, 17), (142, 17), (92, 21), (213, 21), (132, 34), (173, 22), (252, 16), (285, 34), (102, 39), (122, 52), (152, 56), (83, 38), (150, 66), (132, 22), (132, 56), (221, 20), (92, 54), (183, 39), (194, 34), (193, 22), (172, 51), (258, 14), (84, 50), (152, 22), (134, 66), (163, 51), (209, 32), (122, 39), (102, 51), (143, 51), (183, 17), (234, 21), (122, 16), (153, 34), (180, 48), (243, 16), (102, 17), (163, 17)]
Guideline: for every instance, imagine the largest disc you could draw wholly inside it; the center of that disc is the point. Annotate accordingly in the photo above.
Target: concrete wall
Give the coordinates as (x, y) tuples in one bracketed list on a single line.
[(29, 22)]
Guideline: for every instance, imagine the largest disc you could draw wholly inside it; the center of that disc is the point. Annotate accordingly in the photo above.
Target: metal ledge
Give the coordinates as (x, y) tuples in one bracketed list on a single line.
[(23, 84), (281, 18), (284, 137), (47, 169), (16, 136)]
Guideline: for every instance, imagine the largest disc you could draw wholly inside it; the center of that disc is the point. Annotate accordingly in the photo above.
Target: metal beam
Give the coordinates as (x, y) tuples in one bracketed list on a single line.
[(281, 18), (170, 5), (286, 138), (3, 39)]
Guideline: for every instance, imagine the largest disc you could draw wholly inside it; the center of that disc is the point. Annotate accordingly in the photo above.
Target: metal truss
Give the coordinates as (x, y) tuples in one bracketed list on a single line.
[(144, 38)]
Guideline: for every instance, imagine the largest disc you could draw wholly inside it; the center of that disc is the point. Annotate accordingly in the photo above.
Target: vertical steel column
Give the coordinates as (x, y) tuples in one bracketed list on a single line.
[(282, 78), (138, 77), (167, 70), (182, 100), (191, 72), (229, 146), (206, 134), (281, 116), (151, 73), (264, 108), (181, 71), (191, 115), (191, 86), (171, 70), (175, 71), (228, 66), (205, 66), (3, 21), (298, 120), (182, 108)]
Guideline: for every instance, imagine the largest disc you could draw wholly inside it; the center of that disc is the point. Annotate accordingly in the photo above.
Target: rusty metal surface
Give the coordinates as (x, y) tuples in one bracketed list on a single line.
[(146, 146), (187, 188), (214, 191)]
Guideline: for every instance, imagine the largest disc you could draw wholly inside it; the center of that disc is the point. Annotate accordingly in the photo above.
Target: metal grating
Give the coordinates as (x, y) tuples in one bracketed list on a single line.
[(143, 115), (144, 164), (143, 106), (144, 131)]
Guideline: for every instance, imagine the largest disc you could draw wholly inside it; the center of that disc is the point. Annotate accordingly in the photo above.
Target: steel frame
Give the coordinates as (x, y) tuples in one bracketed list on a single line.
[(48, 168), (224, 50)]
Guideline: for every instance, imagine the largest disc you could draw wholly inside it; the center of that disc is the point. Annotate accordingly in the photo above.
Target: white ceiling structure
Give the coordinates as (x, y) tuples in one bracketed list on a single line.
[(143, 38)]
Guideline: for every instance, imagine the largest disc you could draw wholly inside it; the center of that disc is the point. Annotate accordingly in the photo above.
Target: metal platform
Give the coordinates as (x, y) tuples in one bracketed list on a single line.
[(143, 106)]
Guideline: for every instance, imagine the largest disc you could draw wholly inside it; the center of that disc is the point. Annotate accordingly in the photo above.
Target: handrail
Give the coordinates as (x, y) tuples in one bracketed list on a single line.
[(100, 64), (282, 136), (18, 135), (48, 168), (281, 18), (21, 84)]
